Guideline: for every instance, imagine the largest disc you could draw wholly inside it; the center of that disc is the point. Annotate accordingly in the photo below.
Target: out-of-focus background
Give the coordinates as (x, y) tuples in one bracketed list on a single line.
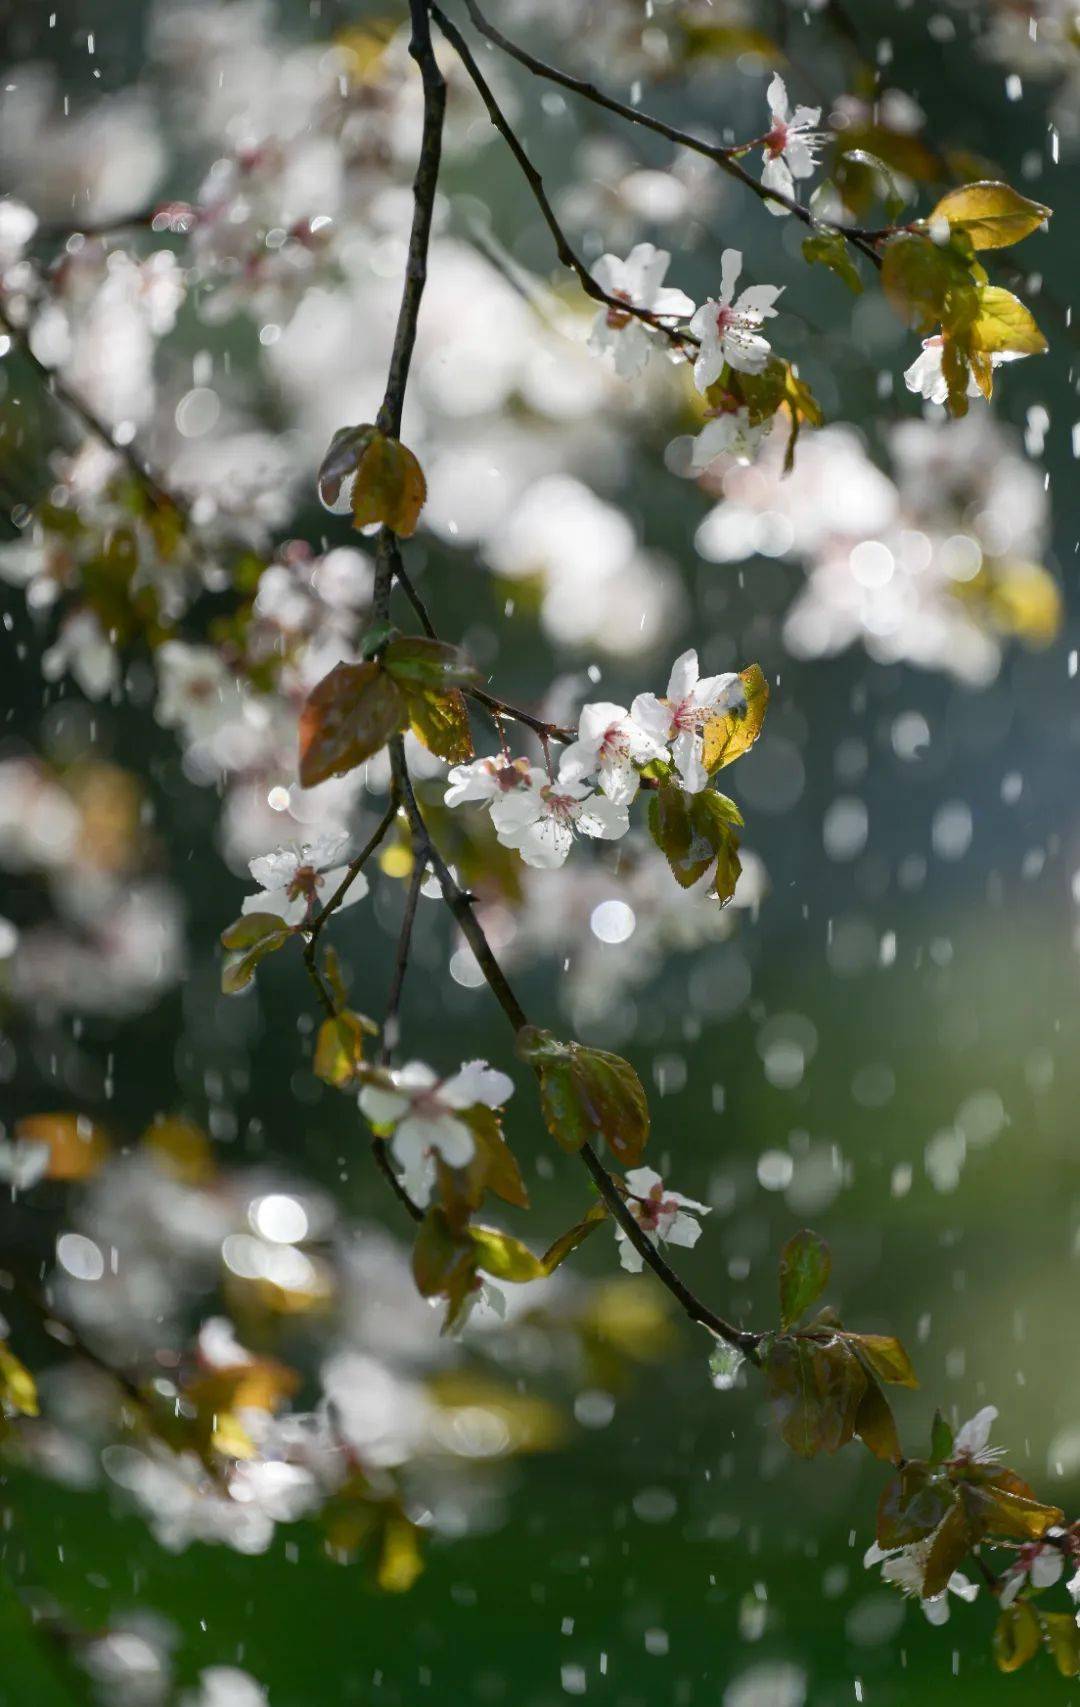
[(879, 1039)]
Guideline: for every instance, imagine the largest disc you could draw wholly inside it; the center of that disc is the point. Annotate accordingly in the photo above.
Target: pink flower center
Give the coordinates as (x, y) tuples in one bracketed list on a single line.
[(560, 806), (777, 139), (617, 318), (306, 883)]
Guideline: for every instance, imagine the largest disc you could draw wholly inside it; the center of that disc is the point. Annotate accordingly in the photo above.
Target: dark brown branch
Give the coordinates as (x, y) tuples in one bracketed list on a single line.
[(725, 158), (563, 248)]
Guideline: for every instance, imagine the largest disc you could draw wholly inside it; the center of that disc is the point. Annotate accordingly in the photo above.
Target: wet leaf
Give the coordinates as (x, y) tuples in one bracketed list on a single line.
[(805, 1265), (875, 1424), (695, 832), (587, 1094), (444, 1257), (951, 1545), (1017, 1636), (494, 1164), (390, 487), (440, 721), (504, 1257), (991, 215), (250, 939), (829, 249), (415, 661), (1063, 1639), (338, 467), (816, 1391), (339, 1048), (941, 1440), (348, 716), (732, 733), (18, 1389), (886, 1357), (1003, 324), (926, 283), (574, 1236), (1008, 1507), (912, 1504)]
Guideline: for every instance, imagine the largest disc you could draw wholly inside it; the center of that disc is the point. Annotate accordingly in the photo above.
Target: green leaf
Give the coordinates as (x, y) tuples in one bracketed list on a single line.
[(494, 1166), (574, 1236), (1017, 1636), (927, 283), (887, 1358), (1003, 324), (249, 939), (695, 830), (875, 1425), (415, 661), (805, 1265), (504, 1257), (1063, 1639), (953, 1541), (829, 249), (991, 215), (912, 1504), (440, 722), (443, 1259), (348, 716), (339, 1048), (587, 1094), (816, 1392)]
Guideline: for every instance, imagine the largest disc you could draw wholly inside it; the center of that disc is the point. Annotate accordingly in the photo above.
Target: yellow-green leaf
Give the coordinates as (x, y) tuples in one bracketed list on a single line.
[(1002, 324), (1063, 1639), (249, 939), (731, 733), (587, 1094), (1016, 1636), (926, 283), (886, 1357), (390, 487), (440, 721), (504, 1257), (400, 1560), (829, 249), (991, 215), (875, 1425), (805, 1265), (569, 1241), (18, 1389), (339, 1048)]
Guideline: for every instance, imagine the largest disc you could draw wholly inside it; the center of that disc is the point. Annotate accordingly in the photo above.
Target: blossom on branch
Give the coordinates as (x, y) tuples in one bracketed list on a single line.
[(905, 1568), (678, 719), (926, 375), (790, 146), (665, 1217), (422, 1113), (638, 281), (730, 432), (540, 821), (610, 746), (296, 881), (730, 330)]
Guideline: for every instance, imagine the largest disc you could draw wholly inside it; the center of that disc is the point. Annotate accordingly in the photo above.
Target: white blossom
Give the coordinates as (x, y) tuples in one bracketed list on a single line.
[(666, 1217), (423, 1112), (730, 433), (486, 780), (540, 820), (790, 146), (678, 719), (639, 281), (905, 1568), (1040, 1563), (610, 747), (84, 651), (730, 329), (197, 692), (926, 375), (293, 880)]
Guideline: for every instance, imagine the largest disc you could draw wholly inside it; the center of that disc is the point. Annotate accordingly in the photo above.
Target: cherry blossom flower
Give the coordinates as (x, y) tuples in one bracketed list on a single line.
[(637, 280), (971, 1443), (678, 719), (790, 146), (423, 1111), (610, 746), (729, 433), (926, 374), (540, 821), (666, 1217), (84, 651), (197, 692), (486, 780), (1040, 1563), (729, 329), (905, 1568), (295, 880)]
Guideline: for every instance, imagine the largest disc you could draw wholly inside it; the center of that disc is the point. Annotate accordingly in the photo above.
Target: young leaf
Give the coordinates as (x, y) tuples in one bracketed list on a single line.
[(816, 1391), (444, 1258), (912, 1504), (875, 1424), (990, 215), (399, 1560), (504, 1257), (569, 1241), (440, 721), (337, 471), (1002, 323), (953, 1541), (732, 733), (926, 282), (415, 661), (886, 1357), (339, 1048), (829, 249), (18, 1389), (805, 1265), (249, 939), (348, 716), (390, 487), (1017, 1636), (493, 1166), (941, 1440), (586, 1094), (1063, 1639)]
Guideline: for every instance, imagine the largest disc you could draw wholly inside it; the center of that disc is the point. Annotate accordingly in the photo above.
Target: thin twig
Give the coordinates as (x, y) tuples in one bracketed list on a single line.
[(722, 157), (563, 247)]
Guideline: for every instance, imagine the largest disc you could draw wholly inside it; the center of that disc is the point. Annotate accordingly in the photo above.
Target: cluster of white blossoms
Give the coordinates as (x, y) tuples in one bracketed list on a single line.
[(665, 1217), (296, 881), (726, 330), (539, 812), (423, 1116)]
